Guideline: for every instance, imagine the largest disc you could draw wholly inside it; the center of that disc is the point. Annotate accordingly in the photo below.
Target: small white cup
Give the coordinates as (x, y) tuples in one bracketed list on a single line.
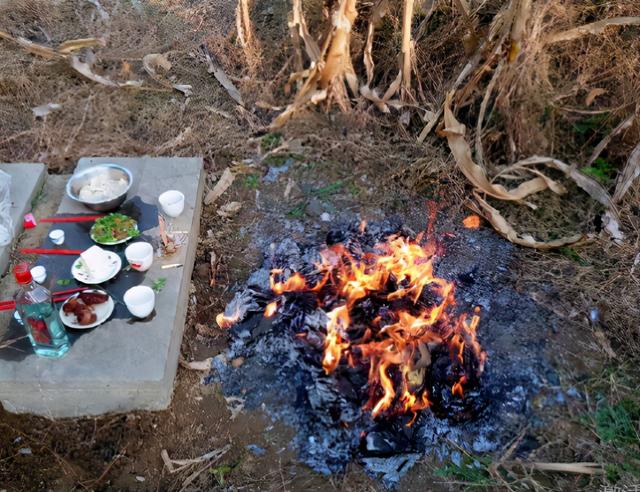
[(57, 236), (172, 202), (140, 300), (39, 273), (139, 255)]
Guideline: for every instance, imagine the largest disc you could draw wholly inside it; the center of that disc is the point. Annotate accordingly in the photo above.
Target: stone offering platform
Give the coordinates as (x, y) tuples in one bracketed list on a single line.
[(26, 182), (124, 364)]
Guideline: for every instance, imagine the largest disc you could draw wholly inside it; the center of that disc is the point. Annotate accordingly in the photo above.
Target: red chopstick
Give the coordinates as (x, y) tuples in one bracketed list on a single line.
[(61, 295), (12, 305), (81, 218), (46, 251), (69, 291)]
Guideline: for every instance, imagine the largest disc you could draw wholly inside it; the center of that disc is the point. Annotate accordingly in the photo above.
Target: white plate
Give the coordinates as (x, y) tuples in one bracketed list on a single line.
[(103, 311), (79, 272)]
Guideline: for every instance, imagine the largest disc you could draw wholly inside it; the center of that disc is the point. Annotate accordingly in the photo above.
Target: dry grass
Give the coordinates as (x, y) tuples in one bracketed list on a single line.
[(541, 102), (96, 120)]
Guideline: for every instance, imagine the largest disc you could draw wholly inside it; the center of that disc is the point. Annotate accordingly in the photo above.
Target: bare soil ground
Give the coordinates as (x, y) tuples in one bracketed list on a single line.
[(356, 161)]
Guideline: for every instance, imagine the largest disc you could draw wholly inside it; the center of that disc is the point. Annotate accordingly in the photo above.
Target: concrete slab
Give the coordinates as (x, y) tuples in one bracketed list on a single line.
[(119, 366), (26, 182)]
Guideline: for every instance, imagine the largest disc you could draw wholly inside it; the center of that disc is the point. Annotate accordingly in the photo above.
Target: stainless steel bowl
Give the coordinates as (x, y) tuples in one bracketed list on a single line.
[(81, 178)]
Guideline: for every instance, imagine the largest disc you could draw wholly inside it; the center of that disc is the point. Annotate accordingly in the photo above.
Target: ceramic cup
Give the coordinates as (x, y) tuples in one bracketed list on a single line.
[(172, 202), (140, 300), (39, 274), (139, 255), (57, 236)]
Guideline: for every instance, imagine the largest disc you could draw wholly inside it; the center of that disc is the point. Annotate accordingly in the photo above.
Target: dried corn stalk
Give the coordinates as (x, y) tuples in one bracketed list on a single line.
[(246, 38), (325, 79), (407, 50)]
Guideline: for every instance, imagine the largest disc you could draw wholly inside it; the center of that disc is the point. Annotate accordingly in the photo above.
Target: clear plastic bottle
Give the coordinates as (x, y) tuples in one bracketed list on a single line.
[(39, 316)]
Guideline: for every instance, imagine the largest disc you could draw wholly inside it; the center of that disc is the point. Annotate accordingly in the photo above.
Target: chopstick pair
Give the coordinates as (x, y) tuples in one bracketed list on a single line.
[(80, 218), (50, 251), (59, 296)]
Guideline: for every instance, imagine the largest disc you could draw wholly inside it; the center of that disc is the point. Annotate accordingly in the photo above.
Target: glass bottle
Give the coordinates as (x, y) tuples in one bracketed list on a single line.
[(39, 316)]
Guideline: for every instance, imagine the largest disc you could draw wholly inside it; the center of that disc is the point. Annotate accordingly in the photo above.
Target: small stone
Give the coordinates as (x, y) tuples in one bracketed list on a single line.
[(25, 451), (315, 207), (237, 362), (255, 449), (140, 478), (325, 217)]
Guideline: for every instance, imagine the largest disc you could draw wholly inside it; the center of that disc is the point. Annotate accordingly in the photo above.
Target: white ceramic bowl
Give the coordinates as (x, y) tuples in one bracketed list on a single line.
[(140, 300), (57, 236), (39, 273), (172, 202), (139, 255)]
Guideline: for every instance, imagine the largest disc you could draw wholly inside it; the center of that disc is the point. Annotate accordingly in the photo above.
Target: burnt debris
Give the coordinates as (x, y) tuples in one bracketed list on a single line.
[(331, 410)]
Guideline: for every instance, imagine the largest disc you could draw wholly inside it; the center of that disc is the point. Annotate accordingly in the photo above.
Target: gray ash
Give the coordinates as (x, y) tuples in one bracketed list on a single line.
[(283, 356)]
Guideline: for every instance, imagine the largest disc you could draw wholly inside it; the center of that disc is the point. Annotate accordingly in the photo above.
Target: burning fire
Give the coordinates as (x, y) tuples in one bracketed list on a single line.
[(388, 312)]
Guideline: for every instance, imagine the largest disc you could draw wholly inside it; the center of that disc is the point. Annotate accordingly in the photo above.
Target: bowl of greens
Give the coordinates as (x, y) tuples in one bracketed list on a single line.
[(114, 229)]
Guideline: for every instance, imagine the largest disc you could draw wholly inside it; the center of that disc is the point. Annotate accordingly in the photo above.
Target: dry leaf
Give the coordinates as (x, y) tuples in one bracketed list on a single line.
[(593, 93), (377, 13), (229, 210), (221, 77), (299, 24), (36, 49), (461, 151), (199, 365), (152, 61), (612, 226), (517, 28), (592, 28), (581, 468), (186, 89), (77, 44), (45, 109), (629, 173), (407, 17), (623, 125), (221, 186), (505, 229), (85, 69)]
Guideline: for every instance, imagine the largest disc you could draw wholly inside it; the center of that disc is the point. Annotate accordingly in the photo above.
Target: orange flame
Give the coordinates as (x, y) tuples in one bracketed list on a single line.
[(295, 283), (271, 309), (225, 322), (396, 345), (471, 222), (333, 344)]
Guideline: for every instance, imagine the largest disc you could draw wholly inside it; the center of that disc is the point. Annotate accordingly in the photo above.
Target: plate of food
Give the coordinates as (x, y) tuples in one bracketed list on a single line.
[(87, 309), (96, 265), (114, 229)]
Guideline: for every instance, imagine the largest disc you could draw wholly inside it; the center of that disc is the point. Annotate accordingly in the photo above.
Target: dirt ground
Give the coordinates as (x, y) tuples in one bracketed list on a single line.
[(355, 162)]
